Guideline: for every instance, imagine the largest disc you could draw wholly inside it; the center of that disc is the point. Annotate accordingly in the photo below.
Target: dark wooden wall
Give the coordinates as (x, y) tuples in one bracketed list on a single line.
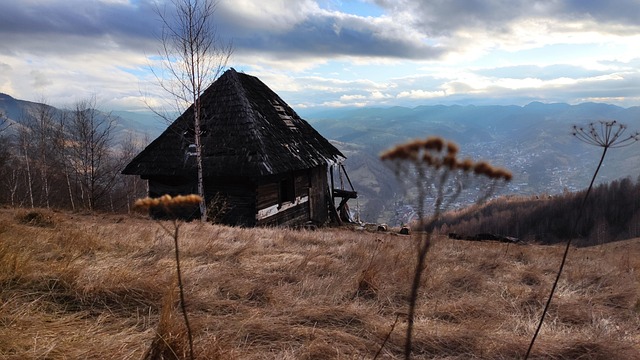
[(161, 185), (243, 198), (173, 186), (240, 197), (267, 194), (301, 181), (310, 183), (236, 195), (318, 186)]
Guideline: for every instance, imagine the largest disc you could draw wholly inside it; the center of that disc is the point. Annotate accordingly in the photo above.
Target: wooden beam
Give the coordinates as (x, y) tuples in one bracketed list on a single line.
[(344, 194), (347, 175), (332, 209)]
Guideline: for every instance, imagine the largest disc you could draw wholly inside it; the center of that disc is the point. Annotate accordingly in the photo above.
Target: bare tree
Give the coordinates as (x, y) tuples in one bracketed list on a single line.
[(61, 148), (132, 187), (193, 56), (42, 125), (10, 177), (24, 136), (8, 172), (89, 148), (4, 122)]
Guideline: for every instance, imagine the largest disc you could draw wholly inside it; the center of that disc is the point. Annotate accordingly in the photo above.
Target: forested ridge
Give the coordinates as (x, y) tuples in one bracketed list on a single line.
[(611, 212)]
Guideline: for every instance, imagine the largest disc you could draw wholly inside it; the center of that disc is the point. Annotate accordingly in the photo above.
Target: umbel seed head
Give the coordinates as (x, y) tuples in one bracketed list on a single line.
[(606, 134)]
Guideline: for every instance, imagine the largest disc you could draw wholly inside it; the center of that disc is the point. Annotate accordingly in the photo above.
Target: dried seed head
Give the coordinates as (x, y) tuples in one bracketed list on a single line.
[(434, 143), (393, 153), (452, 148), (606, 134), (450, 161), (412, 149), (483, 168), (500, 173), (465, 165), (429, 152), (401, 152), (414, 146), (427, 158), (167, 201)]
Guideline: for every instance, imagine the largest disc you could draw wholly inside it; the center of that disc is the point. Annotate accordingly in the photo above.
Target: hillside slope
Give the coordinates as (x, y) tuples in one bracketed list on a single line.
[(612, 212), (103, 287)]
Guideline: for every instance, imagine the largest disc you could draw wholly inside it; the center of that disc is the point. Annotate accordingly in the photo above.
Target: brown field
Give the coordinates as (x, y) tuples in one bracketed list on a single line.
[(102, 286)]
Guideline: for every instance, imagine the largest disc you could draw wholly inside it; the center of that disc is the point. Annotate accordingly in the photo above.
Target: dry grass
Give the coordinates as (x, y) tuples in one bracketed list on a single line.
[(79, 286)]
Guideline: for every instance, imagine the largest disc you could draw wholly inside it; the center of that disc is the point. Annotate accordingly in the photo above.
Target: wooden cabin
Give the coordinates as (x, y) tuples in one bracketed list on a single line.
[(260, 158)]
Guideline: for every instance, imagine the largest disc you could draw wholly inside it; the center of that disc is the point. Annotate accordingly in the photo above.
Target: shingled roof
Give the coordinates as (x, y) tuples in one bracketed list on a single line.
[(247, 130)]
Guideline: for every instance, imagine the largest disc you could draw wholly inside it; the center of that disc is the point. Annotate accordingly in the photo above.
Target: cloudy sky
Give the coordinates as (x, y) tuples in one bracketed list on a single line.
[(338, 53)]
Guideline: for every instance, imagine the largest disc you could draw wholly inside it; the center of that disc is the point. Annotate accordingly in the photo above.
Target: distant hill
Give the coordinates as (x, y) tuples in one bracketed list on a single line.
[(141, 125)]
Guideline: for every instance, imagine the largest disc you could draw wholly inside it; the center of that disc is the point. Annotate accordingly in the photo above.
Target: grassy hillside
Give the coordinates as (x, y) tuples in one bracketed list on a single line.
[(92, 286)]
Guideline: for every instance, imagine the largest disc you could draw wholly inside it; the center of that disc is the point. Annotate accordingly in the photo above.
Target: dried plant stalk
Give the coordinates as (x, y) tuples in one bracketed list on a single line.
[(432, 166), (167, 203), (604, 134)]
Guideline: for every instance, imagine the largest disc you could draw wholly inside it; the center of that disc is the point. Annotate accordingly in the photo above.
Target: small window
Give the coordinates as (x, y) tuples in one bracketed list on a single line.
[(287, 190)]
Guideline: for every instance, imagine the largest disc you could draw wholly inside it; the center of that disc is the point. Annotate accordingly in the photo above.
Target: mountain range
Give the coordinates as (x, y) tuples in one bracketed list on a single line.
[(533, 141)]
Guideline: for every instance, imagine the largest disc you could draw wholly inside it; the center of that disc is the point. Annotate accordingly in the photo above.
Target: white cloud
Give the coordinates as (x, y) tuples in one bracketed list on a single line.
[(377, 95), (348, 98), (421, 94)]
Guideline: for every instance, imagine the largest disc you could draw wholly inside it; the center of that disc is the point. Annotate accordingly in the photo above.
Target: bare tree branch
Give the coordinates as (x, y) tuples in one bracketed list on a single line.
[(4, 122)]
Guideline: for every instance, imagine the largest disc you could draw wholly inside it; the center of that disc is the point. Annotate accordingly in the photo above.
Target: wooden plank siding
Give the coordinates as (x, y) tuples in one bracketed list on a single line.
[(267, 195), (272, 206), (310, 186), (318, 210), (292, 216), (301, 181), (240, 196)]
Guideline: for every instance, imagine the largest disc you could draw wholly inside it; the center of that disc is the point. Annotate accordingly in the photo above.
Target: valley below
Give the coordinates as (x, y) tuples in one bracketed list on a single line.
[(534, 142)]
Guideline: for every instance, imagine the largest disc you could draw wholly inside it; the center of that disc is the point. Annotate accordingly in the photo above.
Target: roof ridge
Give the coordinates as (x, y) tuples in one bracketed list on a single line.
[(253, 131)]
